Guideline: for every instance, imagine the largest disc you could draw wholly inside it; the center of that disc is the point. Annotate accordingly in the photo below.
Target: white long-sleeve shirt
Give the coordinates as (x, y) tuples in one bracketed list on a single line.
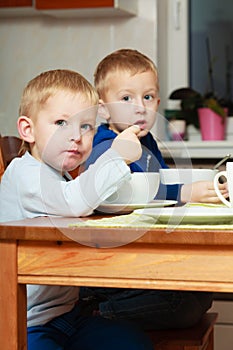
[(30, 188)]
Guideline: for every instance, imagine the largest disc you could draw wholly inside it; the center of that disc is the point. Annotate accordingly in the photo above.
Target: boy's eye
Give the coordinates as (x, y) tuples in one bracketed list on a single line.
[(126, 98), (148, 97), (61, 122), (86, 127)]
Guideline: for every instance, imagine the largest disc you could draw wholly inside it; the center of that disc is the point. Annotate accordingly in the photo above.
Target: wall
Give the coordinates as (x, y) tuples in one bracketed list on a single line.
[(172, 47), (172, 54), (32, 45)]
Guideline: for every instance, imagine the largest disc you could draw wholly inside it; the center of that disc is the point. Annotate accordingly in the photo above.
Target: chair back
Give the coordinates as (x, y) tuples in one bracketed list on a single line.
[(10, 146)]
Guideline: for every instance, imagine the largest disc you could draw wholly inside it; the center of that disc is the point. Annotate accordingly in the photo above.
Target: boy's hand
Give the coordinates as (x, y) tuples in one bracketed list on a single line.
[(128, 145), (203, 192)]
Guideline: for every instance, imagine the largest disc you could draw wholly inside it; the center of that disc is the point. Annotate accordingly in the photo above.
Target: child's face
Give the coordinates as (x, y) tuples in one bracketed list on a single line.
[(132, 99), (63, 131)]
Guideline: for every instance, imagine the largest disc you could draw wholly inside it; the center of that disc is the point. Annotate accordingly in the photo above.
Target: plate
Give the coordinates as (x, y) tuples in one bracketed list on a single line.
[(128, 208), (190, 215)]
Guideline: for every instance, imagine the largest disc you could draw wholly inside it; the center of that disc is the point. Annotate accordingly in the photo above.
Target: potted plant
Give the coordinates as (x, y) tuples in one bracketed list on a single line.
[(206, 112)]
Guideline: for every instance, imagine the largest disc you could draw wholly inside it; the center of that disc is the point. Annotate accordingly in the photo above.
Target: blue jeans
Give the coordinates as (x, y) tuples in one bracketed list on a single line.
[(72, 331), (148, 309)]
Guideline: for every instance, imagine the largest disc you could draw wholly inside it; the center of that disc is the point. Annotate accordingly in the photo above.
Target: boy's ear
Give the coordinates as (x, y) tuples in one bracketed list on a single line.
[(25, 129), (103, 110)]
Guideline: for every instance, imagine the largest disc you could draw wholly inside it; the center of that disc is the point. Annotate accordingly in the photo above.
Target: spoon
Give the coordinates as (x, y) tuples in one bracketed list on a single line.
[(221, 161)]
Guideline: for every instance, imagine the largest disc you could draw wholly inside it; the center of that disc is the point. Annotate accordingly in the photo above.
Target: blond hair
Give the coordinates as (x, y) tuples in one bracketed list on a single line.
[(127, 60), (47, 84)]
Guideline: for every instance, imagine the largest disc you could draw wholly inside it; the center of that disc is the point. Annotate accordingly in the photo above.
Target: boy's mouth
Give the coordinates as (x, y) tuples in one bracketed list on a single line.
[(141, 124), (73, 151)]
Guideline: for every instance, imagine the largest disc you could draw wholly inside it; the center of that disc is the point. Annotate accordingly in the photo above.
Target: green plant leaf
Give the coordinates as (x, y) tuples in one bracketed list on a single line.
[(215, 106)]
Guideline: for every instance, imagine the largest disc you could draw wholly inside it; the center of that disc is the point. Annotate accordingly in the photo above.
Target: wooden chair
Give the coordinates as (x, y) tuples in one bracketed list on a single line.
[(10, 146), (2, 169), (199, 337)]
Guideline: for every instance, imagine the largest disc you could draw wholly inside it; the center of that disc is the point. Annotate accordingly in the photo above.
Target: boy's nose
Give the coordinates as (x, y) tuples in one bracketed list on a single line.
[(140, 107), (76, 135)]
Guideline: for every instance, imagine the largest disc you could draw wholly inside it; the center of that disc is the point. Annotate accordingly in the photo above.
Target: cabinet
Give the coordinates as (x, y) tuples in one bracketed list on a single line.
[(87, 8), (12, 8), (69, 8), (15, 3), (72, 4)]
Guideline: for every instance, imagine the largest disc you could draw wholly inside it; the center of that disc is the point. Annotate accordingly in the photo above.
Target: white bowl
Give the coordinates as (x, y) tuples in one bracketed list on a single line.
[(142, 188), (185, 176)]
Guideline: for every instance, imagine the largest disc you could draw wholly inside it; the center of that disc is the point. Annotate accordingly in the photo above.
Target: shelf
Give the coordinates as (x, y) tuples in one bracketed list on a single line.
[(198, 150), (18, 12)]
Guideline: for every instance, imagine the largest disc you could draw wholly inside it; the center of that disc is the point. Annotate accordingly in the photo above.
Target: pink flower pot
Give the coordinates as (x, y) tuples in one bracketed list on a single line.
[(212, 125)]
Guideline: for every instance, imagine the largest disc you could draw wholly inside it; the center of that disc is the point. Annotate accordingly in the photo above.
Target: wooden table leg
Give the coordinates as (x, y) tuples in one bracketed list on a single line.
[(12, 300), (22, 317)]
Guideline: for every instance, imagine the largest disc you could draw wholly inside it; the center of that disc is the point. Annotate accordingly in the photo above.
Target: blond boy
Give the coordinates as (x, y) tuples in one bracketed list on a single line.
[(57, 122)]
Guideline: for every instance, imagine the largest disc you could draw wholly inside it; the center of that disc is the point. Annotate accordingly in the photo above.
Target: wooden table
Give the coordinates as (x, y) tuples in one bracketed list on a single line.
[(42, 251)]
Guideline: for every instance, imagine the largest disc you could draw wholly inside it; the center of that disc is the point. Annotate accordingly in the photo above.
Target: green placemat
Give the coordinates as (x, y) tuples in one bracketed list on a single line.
[(135, 220), (130, 220)]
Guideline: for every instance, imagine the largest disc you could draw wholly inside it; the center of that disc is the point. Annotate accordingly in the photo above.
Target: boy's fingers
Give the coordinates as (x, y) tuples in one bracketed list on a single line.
[(134, 128)]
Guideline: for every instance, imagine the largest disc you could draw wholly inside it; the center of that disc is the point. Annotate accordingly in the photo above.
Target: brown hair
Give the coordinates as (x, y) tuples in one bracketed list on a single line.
[(47, 84), (128, 60)]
